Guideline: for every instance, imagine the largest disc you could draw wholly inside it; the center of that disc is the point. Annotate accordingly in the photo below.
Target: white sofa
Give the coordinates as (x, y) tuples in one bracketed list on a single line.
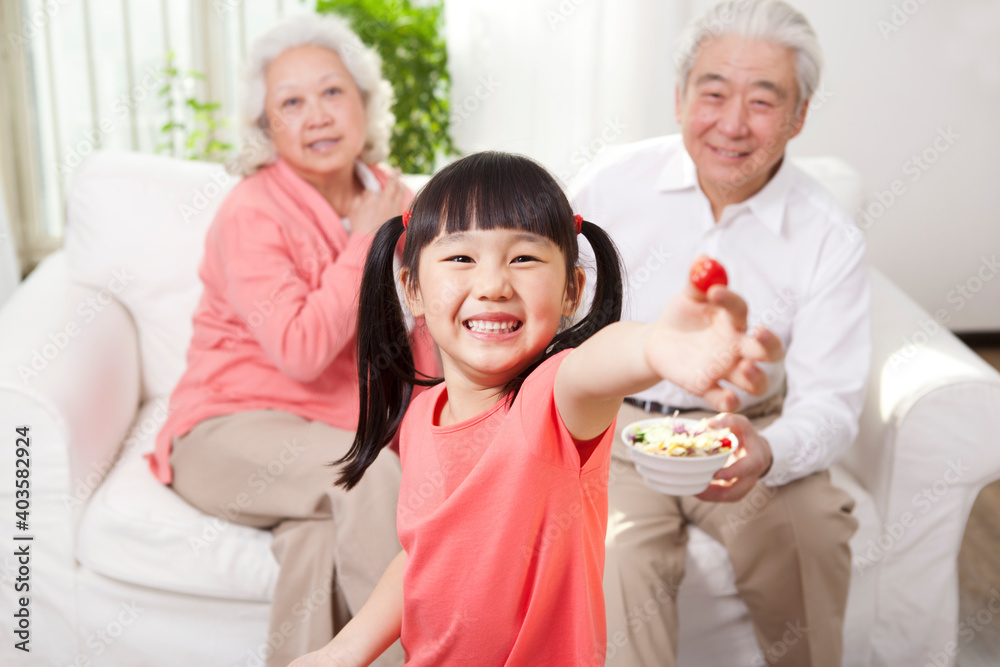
[(123, 572)]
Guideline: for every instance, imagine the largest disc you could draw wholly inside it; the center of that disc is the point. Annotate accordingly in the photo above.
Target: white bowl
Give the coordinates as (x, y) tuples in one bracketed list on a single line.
[(674, 475)]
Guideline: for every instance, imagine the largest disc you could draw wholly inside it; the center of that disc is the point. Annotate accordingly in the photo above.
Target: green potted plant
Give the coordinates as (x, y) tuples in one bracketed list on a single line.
[(415, 62), (192, 127)]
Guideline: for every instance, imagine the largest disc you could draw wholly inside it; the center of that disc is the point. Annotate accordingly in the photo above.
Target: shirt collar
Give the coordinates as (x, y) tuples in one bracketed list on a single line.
[(367, 176), (768, 205), (679, 173)]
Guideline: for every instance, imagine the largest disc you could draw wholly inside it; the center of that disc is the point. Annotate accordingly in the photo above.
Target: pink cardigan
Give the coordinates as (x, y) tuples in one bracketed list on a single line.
[(275, 328)]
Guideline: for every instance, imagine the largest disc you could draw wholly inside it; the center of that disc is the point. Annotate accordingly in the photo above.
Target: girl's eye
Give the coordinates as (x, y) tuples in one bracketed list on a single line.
[(520, 259), (463, 259)]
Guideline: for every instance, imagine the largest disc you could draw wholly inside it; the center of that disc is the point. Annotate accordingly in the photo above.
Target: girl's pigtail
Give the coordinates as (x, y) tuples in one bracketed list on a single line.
[(607, 304), (605, 309), (385, 360)]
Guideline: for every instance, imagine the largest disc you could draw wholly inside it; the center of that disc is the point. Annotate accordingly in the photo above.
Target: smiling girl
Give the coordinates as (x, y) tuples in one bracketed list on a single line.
[(503, 505)]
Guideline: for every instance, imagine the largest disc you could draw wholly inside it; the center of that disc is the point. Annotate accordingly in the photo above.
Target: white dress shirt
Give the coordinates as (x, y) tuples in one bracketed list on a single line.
[(788, 251)]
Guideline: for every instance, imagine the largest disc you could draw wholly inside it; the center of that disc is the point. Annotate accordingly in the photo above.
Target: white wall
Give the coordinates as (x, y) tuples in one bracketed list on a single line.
[(568, 76)]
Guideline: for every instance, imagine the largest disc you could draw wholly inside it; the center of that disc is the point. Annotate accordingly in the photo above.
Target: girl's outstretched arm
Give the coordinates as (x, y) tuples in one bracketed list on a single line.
[(699, 340), (372, 631)]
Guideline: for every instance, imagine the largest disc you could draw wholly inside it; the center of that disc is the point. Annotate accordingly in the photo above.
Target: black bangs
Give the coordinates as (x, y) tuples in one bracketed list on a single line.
[(491, 190), (481, 191)]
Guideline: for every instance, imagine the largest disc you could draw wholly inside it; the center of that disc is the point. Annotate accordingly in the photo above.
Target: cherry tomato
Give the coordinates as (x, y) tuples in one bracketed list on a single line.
[(706, 272)]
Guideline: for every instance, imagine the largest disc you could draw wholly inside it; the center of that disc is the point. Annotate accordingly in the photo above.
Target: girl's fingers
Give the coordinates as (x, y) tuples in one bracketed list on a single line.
[(748, 377), (732, 303), (694, 294), (762, 345), (721, 398)]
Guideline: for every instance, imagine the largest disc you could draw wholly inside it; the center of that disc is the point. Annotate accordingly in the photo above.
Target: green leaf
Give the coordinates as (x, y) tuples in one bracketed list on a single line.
[(415, 62)]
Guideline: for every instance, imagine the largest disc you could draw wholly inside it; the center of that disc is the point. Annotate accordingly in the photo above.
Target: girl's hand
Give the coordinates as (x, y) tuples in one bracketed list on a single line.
[(328, 656), (372, 630), (372, 209), (701, 339)]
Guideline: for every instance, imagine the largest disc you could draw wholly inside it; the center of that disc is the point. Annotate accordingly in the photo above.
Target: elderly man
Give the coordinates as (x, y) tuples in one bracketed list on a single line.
[(723, 188)]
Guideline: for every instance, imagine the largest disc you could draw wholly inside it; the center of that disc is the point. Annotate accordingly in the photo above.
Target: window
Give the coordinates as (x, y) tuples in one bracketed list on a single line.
[(83, 75)]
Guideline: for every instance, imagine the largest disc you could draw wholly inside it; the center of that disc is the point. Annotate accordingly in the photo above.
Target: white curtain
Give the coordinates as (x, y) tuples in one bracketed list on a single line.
[(10, 270), (561, 79)]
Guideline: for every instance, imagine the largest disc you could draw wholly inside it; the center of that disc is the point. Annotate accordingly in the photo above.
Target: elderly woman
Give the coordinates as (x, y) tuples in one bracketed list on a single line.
[(270, 394)]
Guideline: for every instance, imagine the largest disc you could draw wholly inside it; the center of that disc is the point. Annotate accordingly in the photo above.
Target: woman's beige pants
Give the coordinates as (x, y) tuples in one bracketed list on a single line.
[(269, 469)]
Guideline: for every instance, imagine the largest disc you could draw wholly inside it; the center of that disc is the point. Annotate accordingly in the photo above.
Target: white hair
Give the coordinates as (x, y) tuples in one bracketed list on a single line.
[(768, 20), (363, 64)]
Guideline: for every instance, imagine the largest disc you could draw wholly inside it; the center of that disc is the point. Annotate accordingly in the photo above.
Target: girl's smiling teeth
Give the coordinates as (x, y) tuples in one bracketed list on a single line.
[(492, 326)]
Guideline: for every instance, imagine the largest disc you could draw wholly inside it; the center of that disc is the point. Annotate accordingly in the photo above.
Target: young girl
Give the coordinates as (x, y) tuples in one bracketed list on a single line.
[(503, 505)]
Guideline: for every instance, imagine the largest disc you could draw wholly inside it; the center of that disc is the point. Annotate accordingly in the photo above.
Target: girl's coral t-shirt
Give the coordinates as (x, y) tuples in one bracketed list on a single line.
[(503, 527)]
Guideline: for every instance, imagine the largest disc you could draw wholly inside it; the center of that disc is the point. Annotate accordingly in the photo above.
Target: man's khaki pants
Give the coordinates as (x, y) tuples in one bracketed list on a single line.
[(788, 546), (269, 469)]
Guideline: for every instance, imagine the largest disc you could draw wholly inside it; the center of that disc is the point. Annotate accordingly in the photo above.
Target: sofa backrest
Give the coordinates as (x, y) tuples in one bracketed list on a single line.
[(840, 178), (135, 230), (136, 226)]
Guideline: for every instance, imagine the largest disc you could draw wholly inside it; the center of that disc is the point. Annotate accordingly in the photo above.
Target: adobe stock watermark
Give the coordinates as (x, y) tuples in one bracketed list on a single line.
[(750, 506), (141, 432), (899, 16), (968, 628), (914, 168), (462, 110), (654, 263), (120, 108), (958, 297), (204, 196), (88, 310), (782, 307), (588, 152), (639, 616), (33, 24), (262, 309), (779, 648), (562, 12), (258, 482), (223, 7), (302, 610), (102, 640), (922, 502), (413, 496)]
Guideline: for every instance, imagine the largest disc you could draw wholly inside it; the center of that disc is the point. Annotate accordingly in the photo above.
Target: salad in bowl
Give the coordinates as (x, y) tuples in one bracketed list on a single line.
[(678, 456), (677, 437)]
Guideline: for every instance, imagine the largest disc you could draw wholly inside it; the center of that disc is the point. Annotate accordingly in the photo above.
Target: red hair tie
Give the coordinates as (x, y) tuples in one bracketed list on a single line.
[(406, 218), (578, 222)]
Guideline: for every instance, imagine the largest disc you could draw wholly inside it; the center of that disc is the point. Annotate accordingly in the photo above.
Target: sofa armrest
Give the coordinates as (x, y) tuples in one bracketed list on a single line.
[(925, 389), (70, 374), (925, 449), (69, 361)]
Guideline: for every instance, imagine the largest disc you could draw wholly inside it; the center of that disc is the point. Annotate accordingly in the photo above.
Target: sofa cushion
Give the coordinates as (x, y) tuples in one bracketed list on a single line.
[(135, 227), (139, 531)]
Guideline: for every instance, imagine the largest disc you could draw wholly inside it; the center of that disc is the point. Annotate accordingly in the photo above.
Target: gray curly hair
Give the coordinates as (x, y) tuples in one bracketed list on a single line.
[(768, 20), (363, 63)]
